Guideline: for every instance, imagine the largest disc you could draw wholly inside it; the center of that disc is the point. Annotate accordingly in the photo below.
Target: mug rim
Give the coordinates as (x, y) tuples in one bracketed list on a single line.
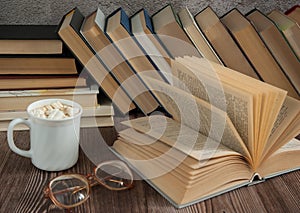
[(65, 101)]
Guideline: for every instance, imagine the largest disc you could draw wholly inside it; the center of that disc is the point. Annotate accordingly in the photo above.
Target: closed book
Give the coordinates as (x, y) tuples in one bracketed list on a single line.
[(119, 31), (29, 39), (40, 66), (196, 36), (278, 46), (294, 13), (19, 82), (69, 31), (168, 28), (222, 42), (289, 27), (85, 122), (93, 31), (256, 51), (20, 99), (142, 30)]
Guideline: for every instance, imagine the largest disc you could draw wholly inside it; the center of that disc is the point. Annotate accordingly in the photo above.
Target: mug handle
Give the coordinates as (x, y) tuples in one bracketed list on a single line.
[(10, 139)]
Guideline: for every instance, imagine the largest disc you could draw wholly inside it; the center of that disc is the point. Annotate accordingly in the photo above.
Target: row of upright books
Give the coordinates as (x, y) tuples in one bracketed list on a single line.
[(118, 50), (34, 65), (229, 85)]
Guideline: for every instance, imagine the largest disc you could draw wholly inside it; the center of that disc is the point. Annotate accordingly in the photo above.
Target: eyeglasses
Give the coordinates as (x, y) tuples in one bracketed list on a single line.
[(70, 190)]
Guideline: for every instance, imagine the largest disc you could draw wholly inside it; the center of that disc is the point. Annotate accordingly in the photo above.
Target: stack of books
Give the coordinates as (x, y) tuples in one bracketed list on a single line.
[(34, 65), (229, 86)]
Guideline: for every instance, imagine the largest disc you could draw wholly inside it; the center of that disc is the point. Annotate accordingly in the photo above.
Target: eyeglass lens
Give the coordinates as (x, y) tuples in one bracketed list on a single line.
[(70, 190), (114, 175)]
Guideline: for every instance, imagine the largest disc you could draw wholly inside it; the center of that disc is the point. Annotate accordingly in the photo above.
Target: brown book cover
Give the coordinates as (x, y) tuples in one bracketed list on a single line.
[(168, 28), (289, 27), (278, 46), (93, 31), (294, 13), (30, 39), (34, 66), (18, 82), (222, 42), (69, 31), (256, 51)]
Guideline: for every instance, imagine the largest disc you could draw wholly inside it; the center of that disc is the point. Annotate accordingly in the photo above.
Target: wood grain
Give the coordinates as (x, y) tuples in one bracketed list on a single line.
[(22, 185)]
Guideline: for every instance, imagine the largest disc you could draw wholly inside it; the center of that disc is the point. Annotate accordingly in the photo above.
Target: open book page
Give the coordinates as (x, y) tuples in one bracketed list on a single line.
[(284, 159), (266, 109), (187, 188), (176, 135), (286, 127), (272, 100), (204, 68), (198, 115), (237, 103), (166, 160), (174, 156)]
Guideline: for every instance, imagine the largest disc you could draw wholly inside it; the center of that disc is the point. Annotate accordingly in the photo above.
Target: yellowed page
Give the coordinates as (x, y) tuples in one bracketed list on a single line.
[(286, 127), (284, 159), (189, 161), (237, 103), (270, 104), (199, 115), (224, 176), (204, 67), (166, 163), (176, 135)]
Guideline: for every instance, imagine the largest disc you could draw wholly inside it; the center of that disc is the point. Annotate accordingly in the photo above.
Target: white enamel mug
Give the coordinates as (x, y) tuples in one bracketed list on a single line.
[(54, 144)]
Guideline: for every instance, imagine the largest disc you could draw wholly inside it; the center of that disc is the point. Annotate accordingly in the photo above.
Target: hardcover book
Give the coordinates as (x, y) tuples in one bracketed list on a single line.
[(222, 42), (207, 149), (142, 30), (251, 44), (40, 66), (119, 31), (196, 36), (167, 27), (21, 82), (29, 39), (69, 32), (93, 31), (278, 46), (289, 27), (20, 99), (294, 13)]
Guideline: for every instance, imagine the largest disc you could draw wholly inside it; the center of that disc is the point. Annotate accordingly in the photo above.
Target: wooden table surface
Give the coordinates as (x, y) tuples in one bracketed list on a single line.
[(21, 185)]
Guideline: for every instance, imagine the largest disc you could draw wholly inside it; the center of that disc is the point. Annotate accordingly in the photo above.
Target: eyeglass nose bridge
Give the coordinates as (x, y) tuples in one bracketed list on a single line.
[(92, 180), (122, 175), (46, 192)]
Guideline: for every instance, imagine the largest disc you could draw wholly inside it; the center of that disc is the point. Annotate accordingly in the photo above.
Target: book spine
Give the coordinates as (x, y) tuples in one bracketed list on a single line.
[(29, 32), (125, 21), (148, 21)]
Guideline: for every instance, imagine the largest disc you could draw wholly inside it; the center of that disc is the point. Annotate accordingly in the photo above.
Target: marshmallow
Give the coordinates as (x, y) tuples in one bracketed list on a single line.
[(55, 111)]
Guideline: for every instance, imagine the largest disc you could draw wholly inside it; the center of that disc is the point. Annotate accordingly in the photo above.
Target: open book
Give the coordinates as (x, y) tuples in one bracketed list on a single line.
[(227, 130)]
